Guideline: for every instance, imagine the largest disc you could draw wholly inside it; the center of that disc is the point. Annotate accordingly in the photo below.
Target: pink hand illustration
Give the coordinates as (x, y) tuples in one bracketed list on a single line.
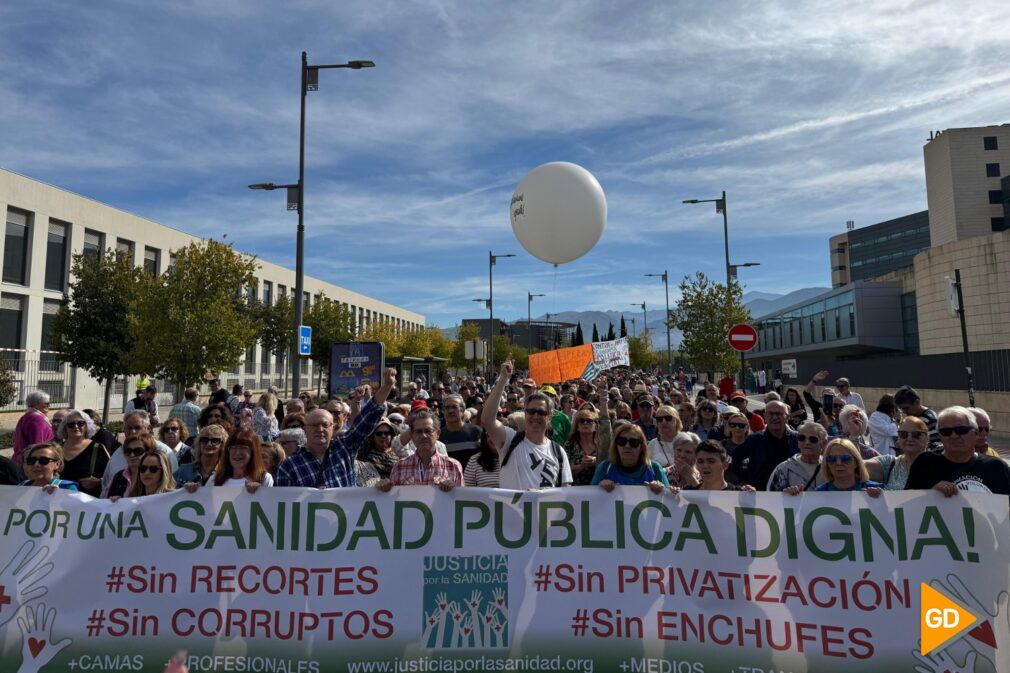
[(38, 648)]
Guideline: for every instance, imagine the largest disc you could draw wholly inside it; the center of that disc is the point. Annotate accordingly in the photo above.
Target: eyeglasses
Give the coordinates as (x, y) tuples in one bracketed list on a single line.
[(914, 434), (213, 441), (738, 426), (664, 419), (149, 468), (633, 442), (845, 458), (134, 451), (41, 460), (983, 429), (383, 434), (813, 439), (169, 428), (537, 412), (961, 430), (587, 421), (75, 424), (644, 405)]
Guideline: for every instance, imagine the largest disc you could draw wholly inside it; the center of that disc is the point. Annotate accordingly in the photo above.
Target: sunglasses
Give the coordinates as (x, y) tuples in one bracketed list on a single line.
[(170, 428), (983, 429), (914, 434), (75, 424), (645, 405), (961, 430), (587, 421), (134, 451), (738, 426), (213, 441), (831, 460), (812, 439), (41, 460), (149, 468), (537, 412), (633, 442), (664, 419)]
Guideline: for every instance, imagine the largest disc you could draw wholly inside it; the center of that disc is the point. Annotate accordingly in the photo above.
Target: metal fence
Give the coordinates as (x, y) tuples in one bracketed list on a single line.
[(38, 370)]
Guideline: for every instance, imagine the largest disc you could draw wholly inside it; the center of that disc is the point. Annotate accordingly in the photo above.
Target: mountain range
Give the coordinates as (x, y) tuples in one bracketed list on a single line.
[(759, 303)]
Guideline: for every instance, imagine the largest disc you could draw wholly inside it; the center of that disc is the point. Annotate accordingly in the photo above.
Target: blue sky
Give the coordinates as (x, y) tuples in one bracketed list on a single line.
[(807, 114)]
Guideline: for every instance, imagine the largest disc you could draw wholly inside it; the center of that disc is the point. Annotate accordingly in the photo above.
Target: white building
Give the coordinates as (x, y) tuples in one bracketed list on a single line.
[(45, 226)]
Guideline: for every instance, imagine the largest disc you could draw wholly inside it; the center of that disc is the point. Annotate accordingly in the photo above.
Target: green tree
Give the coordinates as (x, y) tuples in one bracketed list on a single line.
[(580, 340), (705, 312), (624, 328), (193, 318), (610, 333), (277, 327), (92, 328), (8, 390), (441, 347), (467, 332), (385, 333), (331, 322), (596, 334), (640, 352)]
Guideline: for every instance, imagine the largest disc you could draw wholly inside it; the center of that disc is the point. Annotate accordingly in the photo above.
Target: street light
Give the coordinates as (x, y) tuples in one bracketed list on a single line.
[(310, 82), (529, 315), (734, 267), (669, 352), (720, 207), (491, 259), (645, 317)]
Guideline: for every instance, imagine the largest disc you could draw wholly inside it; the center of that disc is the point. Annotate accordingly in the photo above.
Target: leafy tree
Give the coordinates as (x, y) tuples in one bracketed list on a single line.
[(92, 328), (191, 319), (610, 333), (330, 321), (705, 312), (441, 347), (277, 326), (386, 333), (640, 352), (467, 332), (7, 388), (596, 334), (416, 343), (624, 328), (580, 340)]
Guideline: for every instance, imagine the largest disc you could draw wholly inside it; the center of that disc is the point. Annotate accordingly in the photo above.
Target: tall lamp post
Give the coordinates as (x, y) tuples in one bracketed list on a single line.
[(491, 260), (720, 207), (310, 82), (645, 317), (743, 359), (487, 305), (669, 352), (529, 315)]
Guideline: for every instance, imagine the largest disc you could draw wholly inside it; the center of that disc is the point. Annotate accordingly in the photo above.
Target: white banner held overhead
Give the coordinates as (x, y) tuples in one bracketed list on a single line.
[(607, 354)]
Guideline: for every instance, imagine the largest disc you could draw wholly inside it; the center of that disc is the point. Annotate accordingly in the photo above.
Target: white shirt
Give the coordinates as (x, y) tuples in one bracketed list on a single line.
[(852, 398), (117, 463), (661, 452), (268, 480), (532, 465)]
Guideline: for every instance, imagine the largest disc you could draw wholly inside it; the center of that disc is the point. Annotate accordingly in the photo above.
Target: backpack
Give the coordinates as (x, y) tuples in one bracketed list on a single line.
[(556, 448)]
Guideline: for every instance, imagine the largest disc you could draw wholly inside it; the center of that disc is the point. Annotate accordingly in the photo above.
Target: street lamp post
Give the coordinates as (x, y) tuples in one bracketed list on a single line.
[(529, 315), (743, 359), (491, 259), (645, 317), (669, 352), (310, 82), (720, 207), (487, 304)]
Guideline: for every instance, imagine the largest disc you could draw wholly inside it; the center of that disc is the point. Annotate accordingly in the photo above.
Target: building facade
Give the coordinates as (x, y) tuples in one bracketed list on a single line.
[(45, 226)]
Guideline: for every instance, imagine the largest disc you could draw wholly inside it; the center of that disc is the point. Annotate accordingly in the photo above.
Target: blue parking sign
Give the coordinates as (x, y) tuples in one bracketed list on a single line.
[(304, 340)]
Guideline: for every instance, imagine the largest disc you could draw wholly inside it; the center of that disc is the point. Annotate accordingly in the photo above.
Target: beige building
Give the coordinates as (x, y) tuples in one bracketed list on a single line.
[(45, 226), (963, 170)]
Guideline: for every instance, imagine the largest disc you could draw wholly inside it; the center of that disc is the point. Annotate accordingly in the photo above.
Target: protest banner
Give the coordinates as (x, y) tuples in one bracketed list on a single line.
[(560, 364), (607, 354), (576, 579), (355, 363)]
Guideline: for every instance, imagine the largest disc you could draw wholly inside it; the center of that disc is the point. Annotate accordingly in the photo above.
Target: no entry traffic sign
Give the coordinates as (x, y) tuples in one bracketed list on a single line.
[(742, 337)]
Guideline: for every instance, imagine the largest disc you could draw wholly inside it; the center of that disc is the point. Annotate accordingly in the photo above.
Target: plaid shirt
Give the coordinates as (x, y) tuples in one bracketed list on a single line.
[(410, 472), (303, 468), (187, 412)]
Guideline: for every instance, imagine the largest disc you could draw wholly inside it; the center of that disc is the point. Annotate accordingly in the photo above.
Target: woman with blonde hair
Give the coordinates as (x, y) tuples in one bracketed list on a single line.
[(264, 417), (589, 440), (668, 426), (154, 475), (737, 429), (42, 464), (84, 458), (628, 462), (843, 469)]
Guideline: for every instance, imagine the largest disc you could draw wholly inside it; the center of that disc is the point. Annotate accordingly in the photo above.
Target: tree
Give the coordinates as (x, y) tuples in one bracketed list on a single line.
[(579, 339), (8, 390), (277, 326), (92, 328), (624, 328), (193, 318), (467, 332), (596, 334), (640, 352), (386, 333), (705, 312), (441, 347), (610, 333), (330, 321)]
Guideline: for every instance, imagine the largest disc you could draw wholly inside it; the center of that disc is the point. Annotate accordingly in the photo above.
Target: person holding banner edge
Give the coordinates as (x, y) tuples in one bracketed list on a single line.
[(628, 463)]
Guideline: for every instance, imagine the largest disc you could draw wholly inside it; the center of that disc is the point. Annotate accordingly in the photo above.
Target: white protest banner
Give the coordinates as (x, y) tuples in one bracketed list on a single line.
[(607, 354), (576, 579)]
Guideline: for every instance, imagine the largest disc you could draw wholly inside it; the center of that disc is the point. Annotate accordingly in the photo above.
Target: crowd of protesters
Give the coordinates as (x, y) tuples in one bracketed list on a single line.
[(625, 428)]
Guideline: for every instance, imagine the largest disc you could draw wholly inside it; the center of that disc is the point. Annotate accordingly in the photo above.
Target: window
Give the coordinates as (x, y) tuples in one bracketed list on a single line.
[(94, 243), (171, 263), (992, 170), (48, 361), (12, 311), (56, 255), (16, 247), (996, 197), (998, 223), (151, 260), (268, 293), (990, 143), (124, 248), (250, 360), (250, 294)]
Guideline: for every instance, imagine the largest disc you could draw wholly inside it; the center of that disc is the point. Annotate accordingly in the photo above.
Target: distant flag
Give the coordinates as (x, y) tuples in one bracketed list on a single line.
[(591, 371)]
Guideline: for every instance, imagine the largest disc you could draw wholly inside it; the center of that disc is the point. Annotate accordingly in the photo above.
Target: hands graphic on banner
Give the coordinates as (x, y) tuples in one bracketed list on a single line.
[(21, 580), (37, 647)]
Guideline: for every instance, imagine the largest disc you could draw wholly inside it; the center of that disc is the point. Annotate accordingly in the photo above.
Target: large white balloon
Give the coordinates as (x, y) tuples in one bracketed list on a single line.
[(558, 212)]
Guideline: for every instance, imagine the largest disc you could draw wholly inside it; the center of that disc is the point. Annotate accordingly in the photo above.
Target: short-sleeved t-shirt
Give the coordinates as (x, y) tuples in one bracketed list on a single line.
[(461, 444), (532, 465), (981, 474)]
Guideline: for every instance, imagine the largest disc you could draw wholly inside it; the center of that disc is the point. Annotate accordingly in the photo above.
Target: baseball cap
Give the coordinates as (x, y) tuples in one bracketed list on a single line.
[(549, 390), (418, 404), (738, 395), (529, 383)]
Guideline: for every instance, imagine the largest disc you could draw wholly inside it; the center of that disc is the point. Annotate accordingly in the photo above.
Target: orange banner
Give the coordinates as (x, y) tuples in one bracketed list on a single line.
[(560, 365)]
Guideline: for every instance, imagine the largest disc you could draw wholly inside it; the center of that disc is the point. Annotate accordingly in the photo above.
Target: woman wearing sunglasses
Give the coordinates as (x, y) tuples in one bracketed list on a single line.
[(42, 465), (589, 440), (843, 469), (154, 476), (133, 449), (629, 464), (892, 471), (707, 426), (737, 429), (378, 449), (206, 455), (173, 434), (668, 426), (84, 459)]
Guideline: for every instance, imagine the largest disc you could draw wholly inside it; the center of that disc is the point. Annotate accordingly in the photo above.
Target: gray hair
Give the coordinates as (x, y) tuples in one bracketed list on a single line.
[(686, 438), (144, 416), (980, 413), (297, 403), (454, 396), (817, 428), (89, 424), (543, 397), (772, 396), (420, 415), (36, 397), (958, 411), (296, 435), (847, 418)]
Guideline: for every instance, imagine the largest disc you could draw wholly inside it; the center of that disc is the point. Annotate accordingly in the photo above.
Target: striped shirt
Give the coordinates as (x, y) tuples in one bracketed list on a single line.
[(475, 475)]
